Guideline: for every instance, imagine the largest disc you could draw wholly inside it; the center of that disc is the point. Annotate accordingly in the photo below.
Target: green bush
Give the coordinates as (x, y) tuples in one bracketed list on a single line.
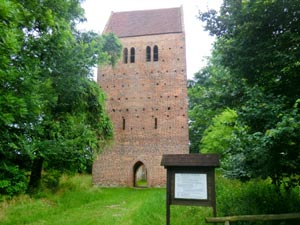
[(255, 197), (51, 179), (12, 180)]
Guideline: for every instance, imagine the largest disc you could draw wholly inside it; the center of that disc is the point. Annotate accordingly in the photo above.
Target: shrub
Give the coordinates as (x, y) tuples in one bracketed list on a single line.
[(51, 179), (12, 180), (255, 197)]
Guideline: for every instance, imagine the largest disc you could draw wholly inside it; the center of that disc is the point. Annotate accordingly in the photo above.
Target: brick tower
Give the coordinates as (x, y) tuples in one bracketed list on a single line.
[(146, 97)]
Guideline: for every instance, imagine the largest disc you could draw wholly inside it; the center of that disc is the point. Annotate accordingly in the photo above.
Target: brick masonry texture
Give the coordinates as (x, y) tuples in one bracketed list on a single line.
[(147, 103)]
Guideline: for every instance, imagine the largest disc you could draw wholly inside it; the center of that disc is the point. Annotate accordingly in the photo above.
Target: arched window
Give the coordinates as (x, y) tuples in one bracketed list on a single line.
[(148, 54), (132, 55), (155, 53), (125, 55)]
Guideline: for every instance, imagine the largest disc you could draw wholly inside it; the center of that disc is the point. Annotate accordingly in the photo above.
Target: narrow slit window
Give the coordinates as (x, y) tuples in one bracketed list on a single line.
[(125, 55), (132, 55), (148, 54), (124, 123), (155, 53), (155, 123)]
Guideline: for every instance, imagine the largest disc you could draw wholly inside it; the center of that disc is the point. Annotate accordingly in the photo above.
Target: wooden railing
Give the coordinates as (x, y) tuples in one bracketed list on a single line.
[(268, 217)]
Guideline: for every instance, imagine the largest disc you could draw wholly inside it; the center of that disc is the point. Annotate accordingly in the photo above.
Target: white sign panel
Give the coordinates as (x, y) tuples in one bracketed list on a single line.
[(191, 186)]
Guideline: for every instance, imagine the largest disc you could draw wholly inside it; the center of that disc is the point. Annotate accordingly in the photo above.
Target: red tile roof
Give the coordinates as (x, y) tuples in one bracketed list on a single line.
[(145, 22)]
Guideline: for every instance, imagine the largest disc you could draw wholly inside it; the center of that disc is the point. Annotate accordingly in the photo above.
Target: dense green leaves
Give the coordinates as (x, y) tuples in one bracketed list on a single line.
[(259, 41), (212, 91), (52, 112), (217, 137), (257, 53)]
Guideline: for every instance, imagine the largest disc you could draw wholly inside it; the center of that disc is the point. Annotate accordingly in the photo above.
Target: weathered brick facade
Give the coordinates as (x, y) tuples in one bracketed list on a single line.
[(147, 103)]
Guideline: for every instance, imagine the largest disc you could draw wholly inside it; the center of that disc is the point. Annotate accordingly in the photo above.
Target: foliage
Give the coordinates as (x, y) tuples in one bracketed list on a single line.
[(254, 197), (217, 137), (212, 91), (12, 180), (259, 42), (51, 180), (52, 112), (271, 154), (258, 47)]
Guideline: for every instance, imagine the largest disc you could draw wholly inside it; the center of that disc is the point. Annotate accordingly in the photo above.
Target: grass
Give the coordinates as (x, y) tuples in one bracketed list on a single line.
[(77, 202), (141, 183)]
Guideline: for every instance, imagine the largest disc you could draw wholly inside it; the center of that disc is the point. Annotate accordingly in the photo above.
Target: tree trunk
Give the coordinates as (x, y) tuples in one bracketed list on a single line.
[(36, 174)]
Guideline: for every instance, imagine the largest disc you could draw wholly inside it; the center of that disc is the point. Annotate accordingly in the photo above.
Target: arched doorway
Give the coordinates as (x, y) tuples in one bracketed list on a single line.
[(140, 174)]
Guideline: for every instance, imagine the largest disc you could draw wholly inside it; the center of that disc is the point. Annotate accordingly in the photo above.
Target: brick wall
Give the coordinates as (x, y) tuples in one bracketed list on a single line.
[(147, 103)]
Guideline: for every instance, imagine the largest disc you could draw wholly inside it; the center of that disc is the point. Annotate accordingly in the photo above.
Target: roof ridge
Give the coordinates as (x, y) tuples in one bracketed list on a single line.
[(143, 10)]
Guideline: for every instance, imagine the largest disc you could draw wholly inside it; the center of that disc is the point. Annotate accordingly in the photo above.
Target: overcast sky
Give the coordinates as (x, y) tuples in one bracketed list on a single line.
[(198, 42)]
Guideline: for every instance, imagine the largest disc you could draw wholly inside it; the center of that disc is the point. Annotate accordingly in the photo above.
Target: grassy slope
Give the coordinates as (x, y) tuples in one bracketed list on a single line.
[(77, 203)]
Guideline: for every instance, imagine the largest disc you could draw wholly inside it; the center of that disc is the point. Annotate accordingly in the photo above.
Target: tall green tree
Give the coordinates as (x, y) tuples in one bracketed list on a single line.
[(212, 91), (52, 112), (258, 44), (20, 98)]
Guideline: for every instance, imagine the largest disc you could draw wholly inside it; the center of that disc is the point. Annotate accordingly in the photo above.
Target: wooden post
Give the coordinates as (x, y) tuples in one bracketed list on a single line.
[(168, 215), (168, 199), (214, 203)]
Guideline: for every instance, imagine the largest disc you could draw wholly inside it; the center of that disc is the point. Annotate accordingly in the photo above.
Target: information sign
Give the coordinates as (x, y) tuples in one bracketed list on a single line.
[(191, 186), (190, 180)]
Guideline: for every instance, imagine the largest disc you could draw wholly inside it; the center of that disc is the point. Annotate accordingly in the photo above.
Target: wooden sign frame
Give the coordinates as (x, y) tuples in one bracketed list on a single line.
[(198, 171)]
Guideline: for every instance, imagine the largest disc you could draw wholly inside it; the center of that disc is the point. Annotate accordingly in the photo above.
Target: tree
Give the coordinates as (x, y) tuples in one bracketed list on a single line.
[(53, 114), (217, 137), (20, 100), (212, 91), (258, 44)]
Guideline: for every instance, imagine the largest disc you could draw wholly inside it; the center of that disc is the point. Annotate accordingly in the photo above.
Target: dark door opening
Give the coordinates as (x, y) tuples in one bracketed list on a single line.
[(140, 175)]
